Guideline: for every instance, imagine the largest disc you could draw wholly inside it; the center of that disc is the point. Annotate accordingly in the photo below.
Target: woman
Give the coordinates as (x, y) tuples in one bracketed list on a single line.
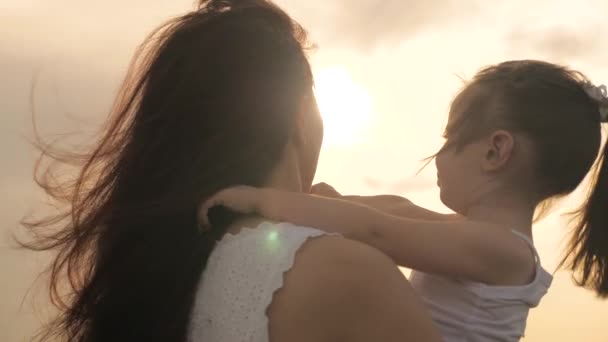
[(220, 96)]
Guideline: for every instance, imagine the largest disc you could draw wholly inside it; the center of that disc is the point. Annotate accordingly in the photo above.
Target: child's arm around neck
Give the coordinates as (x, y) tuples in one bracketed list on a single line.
[(470, 250), (399, 206)]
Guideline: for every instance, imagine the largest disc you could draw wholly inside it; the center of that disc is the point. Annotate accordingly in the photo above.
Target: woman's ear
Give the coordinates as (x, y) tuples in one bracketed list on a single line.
[(499, 151)]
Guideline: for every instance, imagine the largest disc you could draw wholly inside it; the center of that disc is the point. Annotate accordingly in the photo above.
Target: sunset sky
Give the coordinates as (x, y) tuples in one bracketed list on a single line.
[(385, 72)]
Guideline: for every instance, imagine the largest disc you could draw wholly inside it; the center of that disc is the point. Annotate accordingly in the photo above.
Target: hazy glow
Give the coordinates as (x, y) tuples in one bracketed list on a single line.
[(346, 106), (272, 236)]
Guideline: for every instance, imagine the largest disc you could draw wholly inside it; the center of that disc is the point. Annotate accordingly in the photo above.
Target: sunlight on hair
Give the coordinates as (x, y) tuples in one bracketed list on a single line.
[(346, 106)]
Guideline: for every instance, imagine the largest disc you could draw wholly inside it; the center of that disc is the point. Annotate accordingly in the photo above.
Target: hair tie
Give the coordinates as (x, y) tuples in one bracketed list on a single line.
[(600, 95)]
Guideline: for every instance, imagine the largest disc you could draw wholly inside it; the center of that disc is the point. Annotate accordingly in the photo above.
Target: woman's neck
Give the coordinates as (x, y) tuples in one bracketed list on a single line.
[(286, 176)]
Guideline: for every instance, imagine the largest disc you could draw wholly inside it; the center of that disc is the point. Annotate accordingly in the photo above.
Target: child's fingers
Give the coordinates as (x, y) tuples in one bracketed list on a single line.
[(224, 197), (203, 210), (324, 189), (319, 188), (203, 215)]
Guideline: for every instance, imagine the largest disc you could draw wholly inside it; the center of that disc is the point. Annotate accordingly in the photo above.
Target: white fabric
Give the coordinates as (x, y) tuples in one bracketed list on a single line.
[(473, 312), (241, 276)]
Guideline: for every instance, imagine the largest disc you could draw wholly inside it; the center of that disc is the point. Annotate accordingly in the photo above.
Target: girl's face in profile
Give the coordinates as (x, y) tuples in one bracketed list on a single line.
[(460, 175)]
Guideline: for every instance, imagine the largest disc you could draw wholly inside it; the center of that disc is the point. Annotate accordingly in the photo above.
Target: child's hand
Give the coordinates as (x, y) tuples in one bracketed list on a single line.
[(325, 190), (242, 199)]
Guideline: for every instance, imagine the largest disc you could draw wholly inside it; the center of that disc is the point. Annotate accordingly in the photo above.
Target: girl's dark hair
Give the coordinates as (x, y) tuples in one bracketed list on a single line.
[(209, 102), (549, 104)]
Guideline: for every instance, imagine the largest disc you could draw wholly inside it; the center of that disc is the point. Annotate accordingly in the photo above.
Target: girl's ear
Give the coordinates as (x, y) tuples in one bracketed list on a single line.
[(500, 147)]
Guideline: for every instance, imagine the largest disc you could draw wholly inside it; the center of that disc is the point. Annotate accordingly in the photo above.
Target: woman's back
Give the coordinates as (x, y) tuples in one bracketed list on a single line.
[(280, 282), (241, 277)]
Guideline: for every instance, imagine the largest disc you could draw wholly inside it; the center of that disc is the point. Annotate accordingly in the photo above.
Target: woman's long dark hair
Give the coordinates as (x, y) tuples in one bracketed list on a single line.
[(209, 102)]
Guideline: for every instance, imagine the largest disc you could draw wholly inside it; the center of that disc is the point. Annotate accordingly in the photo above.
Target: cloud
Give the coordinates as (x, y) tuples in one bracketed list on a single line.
[(365, 24), (373, 183), (350, 24), (416, 184), (561, 44), (413, 184)]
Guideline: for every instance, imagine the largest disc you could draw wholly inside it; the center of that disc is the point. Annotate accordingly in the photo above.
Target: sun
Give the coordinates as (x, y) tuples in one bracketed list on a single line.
[(346, 107)]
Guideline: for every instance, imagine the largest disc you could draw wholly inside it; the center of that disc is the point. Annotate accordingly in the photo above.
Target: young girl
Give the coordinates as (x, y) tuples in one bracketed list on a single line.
[(519, 134)]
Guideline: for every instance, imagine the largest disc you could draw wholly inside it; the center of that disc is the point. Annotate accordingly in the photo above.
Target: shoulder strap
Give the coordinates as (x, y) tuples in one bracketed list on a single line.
[(528, 241)]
